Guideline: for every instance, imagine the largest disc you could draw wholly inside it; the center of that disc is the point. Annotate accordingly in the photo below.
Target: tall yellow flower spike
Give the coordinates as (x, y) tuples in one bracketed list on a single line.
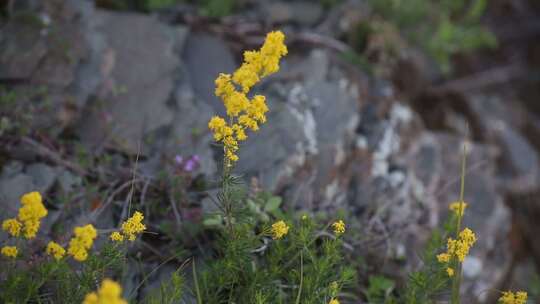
[(244, 113)]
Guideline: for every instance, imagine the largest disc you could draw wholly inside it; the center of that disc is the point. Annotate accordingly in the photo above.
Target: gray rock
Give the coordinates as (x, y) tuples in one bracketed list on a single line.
[(521, 158), (302, 130), (22, 47), (205, 57), (500, 122), (43, 176), (68, 181), (302, 12), (11, 190), (139, 79), (189, 133)]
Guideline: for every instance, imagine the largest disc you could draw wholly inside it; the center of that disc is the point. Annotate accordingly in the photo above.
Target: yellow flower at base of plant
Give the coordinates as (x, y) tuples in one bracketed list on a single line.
[(109, 292), (83, 240), (333, 301), (31, 213), (12, 226), (9, 251), (117, 237), (279, 230), (458, 208), (509, 297), (242, 112), (339, 227), (133, 226), (450, 271), (55, 250)]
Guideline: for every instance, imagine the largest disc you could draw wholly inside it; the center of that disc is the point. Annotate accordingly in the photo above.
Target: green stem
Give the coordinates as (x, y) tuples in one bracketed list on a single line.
[(301, 278), (196, 281), (456, 283)]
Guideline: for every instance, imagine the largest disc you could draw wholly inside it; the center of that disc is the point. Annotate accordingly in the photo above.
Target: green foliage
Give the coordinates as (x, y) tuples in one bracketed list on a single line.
[(217, 8), (158, 4), (169, 292), (210, 8), (65, 283), (431, 280), (380, 290), (442, 28), (248, 266)]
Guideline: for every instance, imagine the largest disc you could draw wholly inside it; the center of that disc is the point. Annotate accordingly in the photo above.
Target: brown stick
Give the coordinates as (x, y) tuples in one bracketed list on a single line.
[(53, 156)]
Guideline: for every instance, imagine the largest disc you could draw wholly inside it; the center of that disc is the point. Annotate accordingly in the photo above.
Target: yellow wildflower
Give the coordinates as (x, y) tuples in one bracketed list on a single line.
[(224, 86), (521, 297), (109, 292), (443, 258), (83, 240), (509, 297), (133, 226), (10, 251), (117, 237), (450, 271), (31, 198), (12, 226), (31, 213), (279, 229), (248, 122), (242, 112), (333, 301), (55, 250), (339, 227), (458, 208), (459, 248)]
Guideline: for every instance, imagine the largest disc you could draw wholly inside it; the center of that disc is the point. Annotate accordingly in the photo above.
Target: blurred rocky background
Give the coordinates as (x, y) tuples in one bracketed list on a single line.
[(107, 102)]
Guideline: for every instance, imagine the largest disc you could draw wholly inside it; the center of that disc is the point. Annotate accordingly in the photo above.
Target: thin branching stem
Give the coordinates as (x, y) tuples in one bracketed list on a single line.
[(456, 283)]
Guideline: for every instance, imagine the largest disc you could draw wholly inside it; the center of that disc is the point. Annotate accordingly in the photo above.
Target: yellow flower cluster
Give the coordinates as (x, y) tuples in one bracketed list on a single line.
[(9, 251), (12, 226), (339, 227), (458, 249), (333, 301), (117, 237), (242, 112), (29, 218), (109, 292), (83, 240), (130, 228), (279, 230), (509, 297), (55, 250), (458, 208)]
